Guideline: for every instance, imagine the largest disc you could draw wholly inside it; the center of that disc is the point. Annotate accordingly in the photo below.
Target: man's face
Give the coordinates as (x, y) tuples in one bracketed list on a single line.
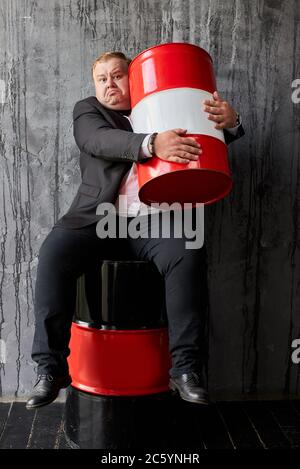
[(111, 83)]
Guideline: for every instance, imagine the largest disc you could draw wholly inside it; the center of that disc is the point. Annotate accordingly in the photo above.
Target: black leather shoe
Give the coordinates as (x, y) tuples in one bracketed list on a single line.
[(46, 390), (190, 387)]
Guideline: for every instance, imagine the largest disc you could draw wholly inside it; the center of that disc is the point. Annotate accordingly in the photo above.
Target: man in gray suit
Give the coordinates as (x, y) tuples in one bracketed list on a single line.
[(109, 151)]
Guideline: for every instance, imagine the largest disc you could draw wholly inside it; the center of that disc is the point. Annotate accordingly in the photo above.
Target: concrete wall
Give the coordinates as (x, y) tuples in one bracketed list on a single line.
[(46, 49)]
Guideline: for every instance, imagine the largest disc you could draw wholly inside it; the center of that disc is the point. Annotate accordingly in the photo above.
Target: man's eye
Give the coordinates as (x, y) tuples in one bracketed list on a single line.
[(118, 77)]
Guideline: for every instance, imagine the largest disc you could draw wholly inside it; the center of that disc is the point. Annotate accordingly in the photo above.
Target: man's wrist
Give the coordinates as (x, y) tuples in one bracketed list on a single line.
[(144, 147), (234, 130)]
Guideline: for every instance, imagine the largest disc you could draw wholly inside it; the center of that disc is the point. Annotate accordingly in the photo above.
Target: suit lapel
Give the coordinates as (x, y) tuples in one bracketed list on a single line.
[(122, 120), (116, 120)]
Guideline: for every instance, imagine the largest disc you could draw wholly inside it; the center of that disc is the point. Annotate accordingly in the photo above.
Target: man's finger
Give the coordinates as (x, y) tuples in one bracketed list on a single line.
[(215, 118), (208, 102), (213, 110), (220, 126), (216, 96), (179, 131), (190, 141), (190, 150), (176, 159)]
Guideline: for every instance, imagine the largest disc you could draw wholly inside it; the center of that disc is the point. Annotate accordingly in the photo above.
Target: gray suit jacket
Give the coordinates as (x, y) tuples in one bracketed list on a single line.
[(108, 147)]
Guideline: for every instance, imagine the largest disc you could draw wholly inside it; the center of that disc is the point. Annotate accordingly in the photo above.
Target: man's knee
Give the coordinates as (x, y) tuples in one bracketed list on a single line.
[(187, 260)]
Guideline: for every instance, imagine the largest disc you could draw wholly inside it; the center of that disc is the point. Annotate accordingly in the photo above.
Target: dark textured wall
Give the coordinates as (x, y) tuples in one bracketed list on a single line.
[(46, 49)]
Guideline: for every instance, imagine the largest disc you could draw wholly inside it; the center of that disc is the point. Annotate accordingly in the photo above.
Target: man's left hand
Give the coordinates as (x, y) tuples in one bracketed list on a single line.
[(220, 112)]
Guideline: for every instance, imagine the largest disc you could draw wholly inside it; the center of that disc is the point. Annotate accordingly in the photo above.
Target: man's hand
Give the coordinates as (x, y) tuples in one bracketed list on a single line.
[(170, 146), (220, 112)]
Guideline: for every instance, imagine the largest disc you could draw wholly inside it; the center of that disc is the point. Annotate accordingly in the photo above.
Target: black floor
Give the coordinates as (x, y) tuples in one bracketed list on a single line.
[(224, 425)]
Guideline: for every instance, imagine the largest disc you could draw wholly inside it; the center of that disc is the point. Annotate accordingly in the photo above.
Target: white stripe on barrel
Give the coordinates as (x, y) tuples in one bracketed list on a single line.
[(174, 108)]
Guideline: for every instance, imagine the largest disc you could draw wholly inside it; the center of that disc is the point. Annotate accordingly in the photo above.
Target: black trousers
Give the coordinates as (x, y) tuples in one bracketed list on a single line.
[(67, 253)]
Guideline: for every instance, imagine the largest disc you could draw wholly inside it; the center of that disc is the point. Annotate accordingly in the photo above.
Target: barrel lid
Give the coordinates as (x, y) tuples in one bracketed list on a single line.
[(149, 49)]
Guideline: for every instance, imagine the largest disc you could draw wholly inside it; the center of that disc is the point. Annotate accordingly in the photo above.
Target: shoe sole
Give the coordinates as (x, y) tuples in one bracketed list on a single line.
[(176, 390), (36, 406)]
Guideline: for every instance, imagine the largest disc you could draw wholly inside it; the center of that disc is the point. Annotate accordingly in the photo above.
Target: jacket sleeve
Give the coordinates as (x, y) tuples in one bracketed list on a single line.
[(231, 138), (95, 136)]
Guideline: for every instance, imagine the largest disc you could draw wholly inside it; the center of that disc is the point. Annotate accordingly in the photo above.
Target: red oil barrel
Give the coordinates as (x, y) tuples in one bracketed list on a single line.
[(119, 363), (119, 338), (119, 359), (168, 84)]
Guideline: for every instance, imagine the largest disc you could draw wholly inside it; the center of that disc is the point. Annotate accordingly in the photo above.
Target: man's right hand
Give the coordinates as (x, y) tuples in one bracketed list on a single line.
[(171, 146)]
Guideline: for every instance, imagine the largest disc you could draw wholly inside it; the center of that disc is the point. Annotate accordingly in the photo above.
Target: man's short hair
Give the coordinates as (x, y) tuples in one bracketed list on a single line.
[(110, 55)]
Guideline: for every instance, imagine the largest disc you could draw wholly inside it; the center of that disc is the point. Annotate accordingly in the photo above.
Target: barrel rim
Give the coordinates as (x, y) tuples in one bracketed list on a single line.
[(170, 44), (111, 328), (174, 172)]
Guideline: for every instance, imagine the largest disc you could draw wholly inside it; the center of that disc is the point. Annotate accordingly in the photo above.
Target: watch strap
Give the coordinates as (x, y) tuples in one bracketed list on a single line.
[(151, 143)]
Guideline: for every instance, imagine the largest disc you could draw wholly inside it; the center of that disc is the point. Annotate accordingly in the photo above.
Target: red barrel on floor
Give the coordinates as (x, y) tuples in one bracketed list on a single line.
[(168, 84), (119, 358)]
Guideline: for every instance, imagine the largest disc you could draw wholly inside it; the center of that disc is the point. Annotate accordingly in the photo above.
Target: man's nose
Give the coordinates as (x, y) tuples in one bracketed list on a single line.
[(110, 82)]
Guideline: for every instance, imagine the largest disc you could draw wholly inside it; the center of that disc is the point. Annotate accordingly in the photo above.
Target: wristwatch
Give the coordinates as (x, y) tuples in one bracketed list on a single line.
[(151, 143)]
